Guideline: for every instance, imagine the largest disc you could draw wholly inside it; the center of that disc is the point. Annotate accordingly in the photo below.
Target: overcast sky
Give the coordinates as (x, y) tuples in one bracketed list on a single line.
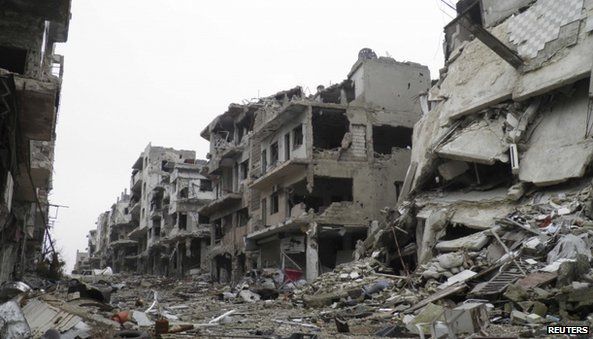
[(159, 71)]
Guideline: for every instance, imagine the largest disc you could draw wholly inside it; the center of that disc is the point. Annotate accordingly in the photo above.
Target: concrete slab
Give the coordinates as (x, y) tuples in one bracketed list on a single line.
[(481, 142), (568, 66), (558, 150), (479, 217), (477, 79)]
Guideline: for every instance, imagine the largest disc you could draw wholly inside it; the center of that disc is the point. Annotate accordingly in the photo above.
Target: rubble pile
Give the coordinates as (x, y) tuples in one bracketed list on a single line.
[(124, 306), (529, 267), (351, 281)]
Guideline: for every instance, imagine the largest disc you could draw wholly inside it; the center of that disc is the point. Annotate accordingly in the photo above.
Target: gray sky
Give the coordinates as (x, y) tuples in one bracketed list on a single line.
[(159, 71)]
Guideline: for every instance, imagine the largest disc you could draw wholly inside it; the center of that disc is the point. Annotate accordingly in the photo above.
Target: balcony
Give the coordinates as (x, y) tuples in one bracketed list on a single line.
[(275, 175), (223, 152), (138, 233), (135, 208), (41, 159), (202, 231), (136, 181), (227, 200), (37, 101), (156, 213)]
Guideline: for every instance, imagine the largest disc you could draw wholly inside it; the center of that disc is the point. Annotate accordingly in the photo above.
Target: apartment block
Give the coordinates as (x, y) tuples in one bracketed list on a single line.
[(299, 179), (156, 227)]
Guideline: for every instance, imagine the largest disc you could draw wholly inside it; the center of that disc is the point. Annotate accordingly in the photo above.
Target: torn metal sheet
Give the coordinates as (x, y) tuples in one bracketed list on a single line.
[(481, 142), (506, 276), (42, 317)]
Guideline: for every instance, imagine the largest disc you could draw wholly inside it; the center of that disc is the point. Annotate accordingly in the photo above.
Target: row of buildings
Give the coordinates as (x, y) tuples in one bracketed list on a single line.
[(30, 86), (292, 181)]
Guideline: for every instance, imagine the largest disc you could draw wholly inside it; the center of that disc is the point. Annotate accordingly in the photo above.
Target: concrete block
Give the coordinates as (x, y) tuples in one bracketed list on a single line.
[(452, 169)]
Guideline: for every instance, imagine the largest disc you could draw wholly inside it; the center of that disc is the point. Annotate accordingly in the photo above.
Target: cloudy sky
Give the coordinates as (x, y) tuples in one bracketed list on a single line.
[(140, 71)]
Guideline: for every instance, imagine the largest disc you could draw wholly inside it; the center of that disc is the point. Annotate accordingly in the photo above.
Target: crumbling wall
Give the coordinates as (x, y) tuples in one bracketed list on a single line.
[(391, 85)]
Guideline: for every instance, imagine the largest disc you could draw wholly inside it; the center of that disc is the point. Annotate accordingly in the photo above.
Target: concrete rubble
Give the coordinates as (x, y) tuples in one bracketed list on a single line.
[(458, 207)]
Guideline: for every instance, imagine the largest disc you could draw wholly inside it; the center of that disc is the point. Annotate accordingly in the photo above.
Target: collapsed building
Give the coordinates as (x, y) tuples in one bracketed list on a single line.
[(30, 85), (497, 200), (155, 228), (299, 179)]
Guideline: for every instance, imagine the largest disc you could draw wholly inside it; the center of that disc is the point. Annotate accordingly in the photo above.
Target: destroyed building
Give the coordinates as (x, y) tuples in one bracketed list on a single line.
[(82, 262), (30, 84), (93, 259), (299, 179), (496, 203), (155, 228)]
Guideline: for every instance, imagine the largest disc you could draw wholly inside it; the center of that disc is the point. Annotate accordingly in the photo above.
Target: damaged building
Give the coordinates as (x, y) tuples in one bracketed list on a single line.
[(156, 227), (497, 199), (299, 179), (30, 85)]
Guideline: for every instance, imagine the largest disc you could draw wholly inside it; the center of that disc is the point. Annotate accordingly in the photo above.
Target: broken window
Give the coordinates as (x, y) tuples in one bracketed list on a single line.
[(157, 231), (287, 146), (386, 137), (264, 161), (184, 193), (274, 206), (244, 167), (329, 127), (242, 217), (264, 210), (245, 125), (274, 153), (218, 229), (205, 185), (182, 221), (297, 136), (13, 59), (202, 219), (325, 191)]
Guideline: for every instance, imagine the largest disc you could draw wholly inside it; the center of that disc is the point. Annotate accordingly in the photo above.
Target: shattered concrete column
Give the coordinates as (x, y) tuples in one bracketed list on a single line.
[(312, 269), (434, 225)]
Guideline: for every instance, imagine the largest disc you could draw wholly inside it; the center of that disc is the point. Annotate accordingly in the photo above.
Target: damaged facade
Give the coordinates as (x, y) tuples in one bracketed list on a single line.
[(497, 200), (299, 179), (156, 227), (30, 84)]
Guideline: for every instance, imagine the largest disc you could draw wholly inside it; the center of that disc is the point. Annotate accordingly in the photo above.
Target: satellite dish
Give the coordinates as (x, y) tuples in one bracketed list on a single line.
[(367, 53)]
